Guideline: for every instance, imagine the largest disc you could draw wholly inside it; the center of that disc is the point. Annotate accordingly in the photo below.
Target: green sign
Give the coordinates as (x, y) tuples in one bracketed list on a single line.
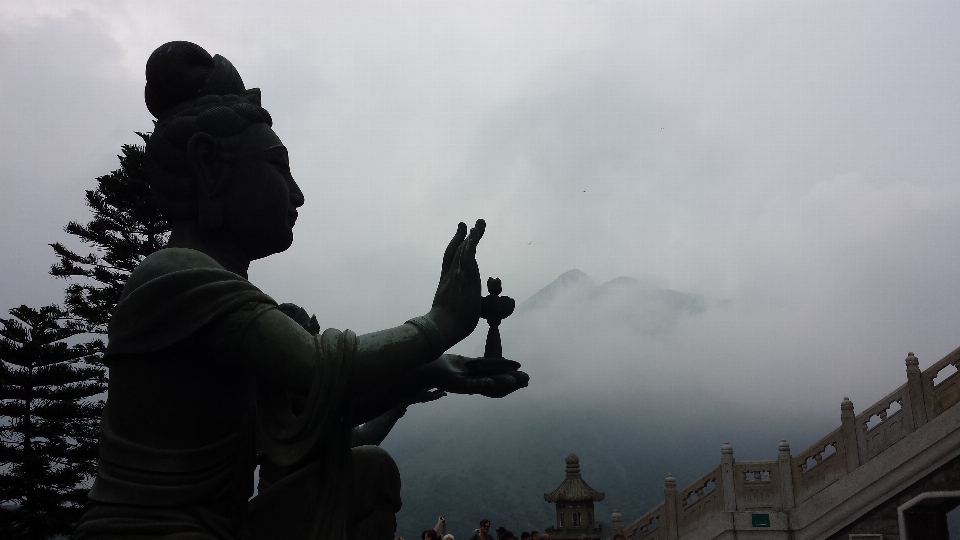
[(760, 520)]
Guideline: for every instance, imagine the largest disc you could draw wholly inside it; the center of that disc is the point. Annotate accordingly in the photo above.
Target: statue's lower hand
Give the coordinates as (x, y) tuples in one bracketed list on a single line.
[(456, 306), (424, 396), (496, 378)]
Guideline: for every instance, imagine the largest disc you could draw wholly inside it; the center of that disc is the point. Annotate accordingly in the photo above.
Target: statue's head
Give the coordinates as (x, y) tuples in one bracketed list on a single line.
[(213, 157)]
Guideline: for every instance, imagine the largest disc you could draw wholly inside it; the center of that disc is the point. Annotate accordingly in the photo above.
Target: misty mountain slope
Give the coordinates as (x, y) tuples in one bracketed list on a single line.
[(571, 281), (622, 296), (622, 307), (475, 458), (613, 379)]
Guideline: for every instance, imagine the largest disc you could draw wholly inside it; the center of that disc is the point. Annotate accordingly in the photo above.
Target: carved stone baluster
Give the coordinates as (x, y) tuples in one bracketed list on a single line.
[(918, 404), (726, 473), (786, 475), (670, 508), (848, 429), (616, 522)]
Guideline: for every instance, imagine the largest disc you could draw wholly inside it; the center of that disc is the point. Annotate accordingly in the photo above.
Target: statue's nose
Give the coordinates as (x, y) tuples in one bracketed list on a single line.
[(296, 196)]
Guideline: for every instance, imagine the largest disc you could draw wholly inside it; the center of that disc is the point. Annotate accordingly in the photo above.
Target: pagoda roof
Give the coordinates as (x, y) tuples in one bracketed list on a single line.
[(573, 488)]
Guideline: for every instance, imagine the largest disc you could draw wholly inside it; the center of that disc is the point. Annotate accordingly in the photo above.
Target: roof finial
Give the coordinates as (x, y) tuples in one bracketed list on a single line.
[(573, 488)]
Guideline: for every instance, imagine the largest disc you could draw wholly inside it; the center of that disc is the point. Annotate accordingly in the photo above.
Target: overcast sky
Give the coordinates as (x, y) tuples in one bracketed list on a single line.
[(795, 164)]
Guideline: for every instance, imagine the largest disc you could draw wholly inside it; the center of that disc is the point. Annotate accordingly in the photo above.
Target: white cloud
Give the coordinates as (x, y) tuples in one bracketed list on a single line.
[(796, 159)]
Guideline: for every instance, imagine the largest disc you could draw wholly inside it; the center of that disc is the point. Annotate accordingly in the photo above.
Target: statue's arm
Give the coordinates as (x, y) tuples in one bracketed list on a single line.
[(376, 430), (390, 367), (277, 350), (369, 405)]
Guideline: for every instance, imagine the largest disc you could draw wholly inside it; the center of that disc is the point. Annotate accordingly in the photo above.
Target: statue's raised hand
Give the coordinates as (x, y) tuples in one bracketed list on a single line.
[(491, 377), (456, 306)]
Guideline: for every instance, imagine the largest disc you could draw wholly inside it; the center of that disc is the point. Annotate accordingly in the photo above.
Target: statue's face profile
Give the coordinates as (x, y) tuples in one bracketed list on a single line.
[(260, 198)]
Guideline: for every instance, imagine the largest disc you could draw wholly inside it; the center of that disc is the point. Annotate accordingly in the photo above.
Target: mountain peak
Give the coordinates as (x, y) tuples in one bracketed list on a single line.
[(573, 276), (574, 280)]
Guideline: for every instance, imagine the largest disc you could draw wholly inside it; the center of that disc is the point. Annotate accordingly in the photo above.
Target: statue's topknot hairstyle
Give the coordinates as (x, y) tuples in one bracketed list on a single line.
[(190, 92)]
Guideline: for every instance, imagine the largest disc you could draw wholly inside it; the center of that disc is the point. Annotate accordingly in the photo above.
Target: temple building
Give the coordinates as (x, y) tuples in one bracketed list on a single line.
[(574, 500)]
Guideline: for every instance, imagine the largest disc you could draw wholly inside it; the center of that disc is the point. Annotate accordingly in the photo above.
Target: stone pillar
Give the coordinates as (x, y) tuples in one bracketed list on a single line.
[(726, 475), (848, 430), (785, 462), (616, 523), (670, 508), (918, 405)]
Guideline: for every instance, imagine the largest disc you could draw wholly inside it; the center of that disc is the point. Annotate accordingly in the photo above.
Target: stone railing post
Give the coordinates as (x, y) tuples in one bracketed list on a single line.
[(918, 405), (726, 474), (848, 428), (785, 462), (670, 507), (616, 523)]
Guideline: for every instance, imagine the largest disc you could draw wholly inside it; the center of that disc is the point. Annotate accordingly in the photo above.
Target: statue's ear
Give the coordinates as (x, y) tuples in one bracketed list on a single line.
[(203, 155)]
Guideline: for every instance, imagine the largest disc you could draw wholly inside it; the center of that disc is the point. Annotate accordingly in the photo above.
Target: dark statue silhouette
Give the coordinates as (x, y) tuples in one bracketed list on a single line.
[(210, 377)]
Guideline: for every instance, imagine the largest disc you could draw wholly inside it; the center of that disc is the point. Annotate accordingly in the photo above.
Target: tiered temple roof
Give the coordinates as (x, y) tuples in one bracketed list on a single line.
[(573, 488)]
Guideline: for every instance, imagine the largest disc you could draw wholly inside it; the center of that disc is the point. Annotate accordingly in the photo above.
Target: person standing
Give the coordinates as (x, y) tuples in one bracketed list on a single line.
[(483, 533)]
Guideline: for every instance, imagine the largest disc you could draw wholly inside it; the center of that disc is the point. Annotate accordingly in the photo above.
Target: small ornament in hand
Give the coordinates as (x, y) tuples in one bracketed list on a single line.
[(494, 308)]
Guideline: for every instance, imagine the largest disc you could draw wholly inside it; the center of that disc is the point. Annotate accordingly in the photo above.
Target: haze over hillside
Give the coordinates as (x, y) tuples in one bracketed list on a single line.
[(609, 382)]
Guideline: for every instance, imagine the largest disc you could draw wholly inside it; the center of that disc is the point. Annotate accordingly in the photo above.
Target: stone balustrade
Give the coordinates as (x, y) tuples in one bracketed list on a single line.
[(785, 483), (647, 526)]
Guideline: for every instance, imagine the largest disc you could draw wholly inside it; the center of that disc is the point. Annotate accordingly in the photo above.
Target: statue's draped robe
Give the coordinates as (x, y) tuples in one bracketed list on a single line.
[(182, 424)]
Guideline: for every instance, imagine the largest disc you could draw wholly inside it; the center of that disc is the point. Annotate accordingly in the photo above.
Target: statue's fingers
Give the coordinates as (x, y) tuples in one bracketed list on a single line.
[(491, 387), (502, 385), (466, 259), (480, 228), (476, 233), (433, 395), (452, 247)]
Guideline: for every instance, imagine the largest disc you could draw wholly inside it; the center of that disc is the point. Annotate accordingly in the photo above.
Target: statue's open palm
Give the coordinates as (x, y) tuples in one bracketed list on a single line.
[(491, 377)]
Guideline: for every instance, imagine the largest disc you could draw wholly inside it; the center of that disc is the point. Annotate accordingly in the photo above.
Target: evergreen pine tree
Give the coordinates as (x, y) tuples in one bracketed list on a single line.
[(49, 414), (126, 227), (48, 435)]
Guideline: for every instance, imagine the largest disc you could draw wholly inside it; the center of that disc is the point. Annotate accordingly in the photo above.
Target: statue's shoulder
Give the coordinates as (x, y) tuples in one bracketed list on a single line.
[(171, 295), (173, 260), (169, 260)]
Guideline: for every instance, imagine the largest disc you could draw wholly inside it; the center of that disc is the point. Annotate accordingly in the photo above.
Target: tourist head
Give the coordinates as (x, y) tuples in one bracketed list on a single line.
[(213, 156), (501, 533), (485, 526), (428, 534), (524, 535), (534, 535)]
